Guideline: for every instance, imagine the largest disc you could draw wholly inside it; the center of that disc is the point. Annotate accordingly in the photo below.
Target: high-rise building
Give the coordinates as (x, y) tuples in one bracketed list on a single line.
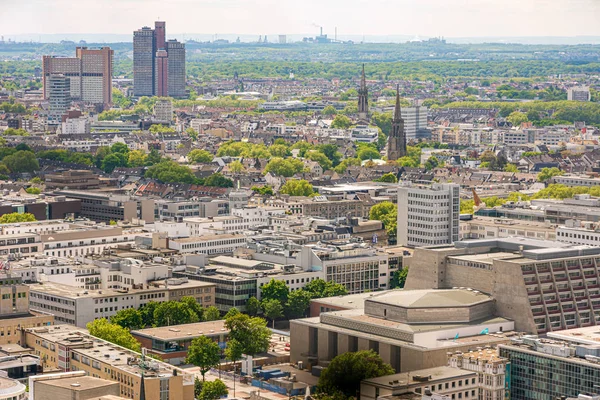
[(143, 62), (363, 98), (428, 215), (158, 64), (58, 94), (397, 139), (415, 122), (176, 68), (89, 72), (581, 93), (163, 110)]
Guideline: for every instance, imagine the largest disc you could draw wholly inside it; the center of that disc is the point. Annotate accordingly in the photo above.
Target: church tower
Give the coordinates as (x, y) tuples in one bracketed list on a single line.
[(397, 139), (363, 98)]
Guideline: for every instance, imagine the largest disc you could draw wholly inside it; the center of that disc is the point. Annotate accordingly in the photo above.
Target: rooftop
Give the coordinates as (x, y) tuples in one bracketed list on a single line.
[(588, 335), (408, 378), (185, 331), (204, 238), (429, 298), (77, 383)]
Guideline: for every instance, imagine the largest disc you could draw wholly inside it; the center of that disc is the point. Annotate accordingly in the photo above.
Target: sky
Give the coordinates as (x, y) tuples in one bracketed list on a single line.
[(425, 18)]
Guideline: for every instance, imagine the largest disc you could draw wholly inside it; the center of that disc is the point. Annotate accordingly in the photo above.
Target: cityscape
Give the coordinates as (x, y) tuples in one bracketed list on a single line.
[(348, 214)]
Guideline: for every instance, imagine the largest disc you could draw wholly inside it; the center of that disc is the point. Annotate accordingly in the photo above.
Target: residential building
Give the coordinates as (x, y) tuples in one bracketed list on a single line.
[(57, 89), (428, 214), (89, 73), (68, 348), (543, 286), (77, 306), (75, 126), (409, 329), (581, 93), (163, 110), (491, 371), (446, 381), (171, 343)]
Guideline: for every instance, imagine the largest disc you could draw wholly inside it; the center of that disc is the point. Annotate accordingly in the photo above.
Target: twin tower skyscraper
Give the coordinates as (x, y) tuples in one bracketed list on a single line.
[(158, 64)]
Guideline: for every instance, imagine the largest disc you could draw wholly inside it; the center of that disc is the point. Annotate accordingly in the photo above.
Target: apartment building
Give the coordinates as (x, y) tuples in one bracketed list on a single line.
[(68, 348), (543, 286), (480, 227), (77, 306), (208, 244), (491, 371), (428, 215)]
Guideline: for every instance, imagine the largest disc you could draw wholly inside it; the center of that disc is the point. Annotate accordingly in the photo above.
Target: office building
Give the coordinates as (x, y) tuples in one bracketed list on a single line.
[(72, 179), (72, 385), (548, 369), (163, 110), (42, 208), (581, 93), (171, 343), (543, 286), (158, 64), (68, 348), (415, 122), (428, 215), (89, 73), (208, 244), (58, 95), (11, 389), (410, 329), (491, 371)]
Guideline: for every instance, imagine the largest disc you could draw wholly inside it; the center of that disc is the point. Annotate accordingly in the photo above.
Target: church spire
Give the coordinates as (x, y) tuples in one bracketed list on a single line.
[(397, 112), (397, 138), (363, 98)]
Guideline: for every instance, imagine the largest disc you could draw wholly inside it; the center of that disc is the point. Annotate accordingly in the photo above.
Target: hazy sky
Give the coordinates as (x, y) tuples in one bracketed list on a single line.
[(450, 18)]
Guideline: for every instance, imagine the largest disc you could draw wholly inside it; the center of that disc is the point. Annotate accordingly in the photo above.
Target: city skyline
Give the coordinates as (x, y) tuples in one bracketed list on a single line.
[(460, 19)]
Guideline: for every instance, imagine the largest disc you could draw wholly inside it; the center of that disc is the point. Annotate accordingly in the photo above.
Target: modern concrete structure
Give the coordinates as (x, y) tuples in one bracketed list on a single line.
[(163, 110), (89, 73), (428, 215), (415, 122), (543, 286), (410, 329), (71, 385), (143, 62), (176, 69), (11, 389), (67, 348), (581, 93), (72, 179)]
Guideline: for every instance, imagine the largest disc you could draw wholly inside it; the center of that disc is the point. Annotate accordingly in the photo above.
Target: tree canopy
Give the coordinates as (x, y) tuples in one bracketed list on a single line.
[(113, 333)]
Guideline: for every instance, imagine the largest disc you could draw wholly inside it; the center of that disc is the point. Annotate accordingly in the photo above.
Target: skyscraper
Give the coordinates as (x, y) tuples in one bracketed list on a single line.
[(57, 89), (158, 64), (89, 73), (397, 139), (363, 98)]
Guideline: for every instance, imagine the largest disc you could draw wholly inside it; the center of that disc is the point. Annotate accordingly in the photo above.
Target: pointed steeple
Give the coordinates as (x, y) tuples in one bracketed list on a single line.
[(397, 112), (363, 98), (363, 79), (397, 138)]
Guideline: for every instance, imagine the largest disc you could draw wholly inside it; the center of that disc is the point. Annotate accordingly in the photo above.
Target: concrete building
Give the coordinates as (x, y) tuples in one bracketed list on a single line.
[(581, 93), (42, 207), (548, 369), (76, 306), (72, 179), (480, 227), (445, 381), (11, 389), (59, 99), (76, 126), (143, 62), (176, 71), (428, 215), (171, 343), (67, 348), (491, 371), (543, 286), (410, 329), (89, 73), (208, 244), (71, 385), (415, 122), (163, 110)]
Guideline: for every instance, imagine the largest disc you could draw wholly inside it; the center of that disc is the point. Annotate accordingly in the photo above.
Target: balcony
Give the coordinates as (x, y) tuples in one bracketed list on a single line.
[(528, 272), (573, 267), (548, 290), (547, 280), (563, 279), (536, 303)]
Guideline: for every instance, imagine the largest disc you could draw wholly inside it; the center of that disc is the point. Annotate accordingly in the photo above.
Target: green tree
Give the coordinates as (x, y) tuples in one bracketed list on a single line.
[(547, 173), (153, 157), (129, 318), (119, 148), (199, 156), (113, 333), (170, 172), (320, 158), (303, 146), (236, 167), (218, 180), (212, 313), (213, 390), (191, 303), (432, 163), (331, 152), (368, 153), (279, 150), (387, 213), (341, 122), (383, 121), (346, 371), (110, 162), (21, 161), (263, 190), (399, 278), (205, 354), (388, 178), (12, 218), (33, 190), (174, 313), (284, 167), (295, 187), (272, 309), (329, 110), (516, 118), (297, 303), (137, 158), (275, 289), (147, 311), (234, 350), (251, 332), (318, 288), (253, 306)]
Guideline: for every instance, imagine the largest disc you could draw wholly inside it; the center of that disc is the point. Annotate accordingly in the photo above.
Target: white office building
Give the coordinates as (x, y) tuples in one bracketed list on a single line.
[(581, 93), (415, 122), (163, 110), (428, 215)]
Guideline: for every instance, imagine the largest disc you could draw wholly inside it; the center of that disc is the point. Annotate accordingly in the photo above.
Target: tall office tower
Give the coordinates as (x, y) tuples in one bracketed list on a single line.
[(158, 65), (397, 139), (89, 73), (143, 62), (363, 98), (58, 94), (161, 73), (428, 215), (176, 70)]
